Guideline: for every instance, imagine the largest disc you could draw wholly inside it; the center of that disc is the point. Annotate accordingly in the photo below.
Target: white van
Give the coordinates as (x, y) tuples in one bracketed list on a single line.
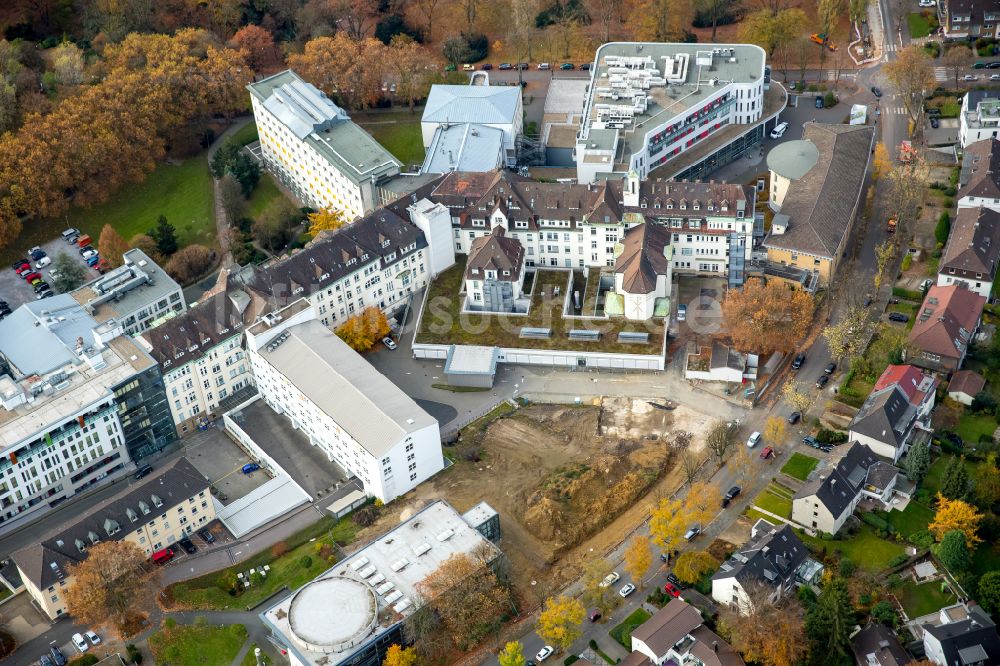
[(779, 130)]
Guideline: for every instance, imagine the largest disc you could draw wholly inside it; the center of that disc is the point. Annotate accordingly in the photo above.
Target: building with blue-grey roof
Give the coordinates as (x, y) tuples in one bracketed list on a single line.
[(78, 404), (498, 107), (467, 147), (312, 146)]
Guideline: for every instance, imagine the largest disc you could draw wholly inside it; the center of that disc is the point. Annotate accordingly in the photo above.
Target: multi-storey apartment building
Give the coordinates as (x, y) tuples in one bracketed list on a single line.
[(353, 413), (378, 261), (691, 107), (202, 356), (75, 408), (162, 508), (979, 179), (132, 297), (980, 116), (311, 145), (962, 19)]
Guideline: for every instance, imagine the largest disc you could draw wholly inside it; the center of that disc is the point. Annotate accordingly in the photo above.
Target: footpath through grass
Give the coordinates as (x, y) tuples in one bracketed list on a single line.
[(197, 644), (623, 632), (799, 466), (301, 562)]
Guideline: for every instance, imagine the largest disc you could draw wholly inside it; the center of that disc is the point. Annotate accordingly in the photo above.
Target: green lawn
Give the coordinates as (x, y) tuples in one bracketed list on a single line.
[(193, 645), (912, 519), (290, 570), (246, 134), (864, 549), (919, 25), (972, 426), (775, 498), (265, 192), (623, 632), (922, 599), (799, 466), (250, 660), (907, 308), (402, 138)]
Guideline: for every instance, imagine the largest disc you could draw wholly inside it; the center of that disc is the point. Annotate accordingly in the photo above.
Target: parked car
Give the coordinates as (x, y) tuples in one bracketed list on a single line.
[(970, 77), (84, 249), (42, 263), (20, 264), (682, 312), (792, 86), (754, 439), (779, 130), (486, 67), (389, 344), (586, 66), (692, 532), (206, 536), (994, 65), (468, 68), (41, 286), (92, 637), (594, 615), (822, 381), (830, 367), (934, 111), (36, 253), (93, 260), (544, 653), (799, 360), (567, 65), (610, 579), (44, 660), (899, 316), (523, 65), (162, 556), (188, 545), (249, 468), (30, 276), (675, 581), (88, 253), (876, 91), (935, 123), (626, 590), (544, 65), (768, 452), (45, 294), (794, 417), (79, 643), (819, 102), (71, 234), (57, 656), (505, 66), (926, 3), (450, 67), (142, 471), (672, 590)]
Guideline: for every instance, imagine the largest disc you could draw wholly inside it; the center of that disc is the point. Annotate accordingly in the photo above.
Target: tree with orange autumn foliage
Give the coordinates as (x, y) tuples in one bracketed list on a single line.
[(257, 46), (766, 317), (112, 246)]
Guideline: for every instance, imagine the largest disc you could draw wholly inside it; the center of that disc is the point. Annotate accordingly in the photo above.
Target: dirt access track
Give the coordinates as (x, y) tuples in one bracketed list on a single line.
[(568, 481)]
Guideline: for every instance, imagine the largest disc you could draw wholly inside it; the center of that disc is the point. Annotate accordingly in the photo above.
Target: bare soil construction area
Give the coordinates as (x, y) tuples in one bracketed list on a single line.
[(569, 481)]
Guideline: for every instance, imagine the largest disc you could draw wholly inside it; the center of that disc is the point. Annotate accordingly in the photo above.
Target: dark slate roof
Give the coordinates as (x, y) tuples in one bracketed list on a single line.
[(885, 416), (771, 557), (973, 640), (877, 645), (671, 625), (974, 244), (642, 258), (328, 258), (820, 204), (946, 320), (495, 252), (981, 169), (838, 489), (45, 563), (880, 475)]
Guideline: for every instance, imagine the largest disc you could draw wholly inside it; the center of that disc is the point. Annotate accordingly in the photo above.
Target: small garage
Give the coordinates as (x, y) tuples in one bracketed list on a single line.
[(471, 365)]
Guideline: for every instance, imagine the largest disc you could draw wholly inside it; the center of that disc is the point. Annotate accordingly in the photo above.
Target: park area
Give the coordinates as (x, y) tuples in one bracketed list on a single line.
[(570, 482), (292, 563), (196, 644), (443, 321)]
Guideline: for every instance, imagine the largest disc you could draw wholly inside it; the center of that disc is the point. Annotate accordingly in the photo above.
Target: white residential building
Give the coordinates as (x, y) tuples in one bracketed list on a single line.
[(202, 356), (980, 116), (692, 107), (312, 146), (494, 274), (75, 409), (979, 179), (360, 419)]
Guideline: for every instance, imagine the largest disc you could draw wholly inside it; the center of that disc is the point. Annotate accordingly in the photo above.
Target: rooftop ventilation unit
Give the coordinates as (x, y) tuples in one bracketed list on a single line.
[(367, 571), (359, 563), (384, 588), (421, 548), (399, 564), (447, 534), (402, 605), (393, 596)]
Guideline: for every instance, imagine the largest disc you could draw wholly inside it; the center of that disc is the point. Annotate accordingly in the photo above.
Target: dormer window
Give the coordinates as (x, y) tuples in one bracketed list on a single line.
[(642, 204), (144, 508), (157, 502), (656, 203), (696, 206), (80, 545), (111, 526), (385, 243), (132, 516), (506, 273)]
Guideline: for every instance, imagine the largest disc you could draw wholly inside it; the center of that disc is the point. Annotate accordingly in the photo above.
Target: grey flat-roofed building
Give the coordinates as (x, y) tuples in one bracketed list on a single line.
[(465, 147), (498, 107), (471, 365), (132, 297)]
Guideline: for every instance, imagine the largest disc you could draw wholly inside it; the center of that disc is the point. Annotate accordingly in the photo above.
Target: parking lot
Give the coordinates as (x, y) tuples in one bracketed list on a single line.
[(16, 291), (221, 462)]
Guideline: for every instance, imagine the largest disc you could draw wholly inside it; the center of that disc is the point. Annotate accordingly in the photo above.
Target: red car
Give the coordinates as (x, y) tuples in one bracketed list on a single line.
[(768, 452), (671, 590), (32, 276), (24, 268)]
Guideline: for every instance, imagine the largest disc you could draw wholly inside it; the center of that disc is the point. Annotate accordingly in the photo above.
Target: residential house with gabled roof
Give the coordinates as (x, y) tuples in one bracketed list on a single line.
[(969, 19), (965, 385), (152, 513), (945, 326), (972, 254), (816, 185), (826, 501), (896, 412), (677, 634), (773, 562), (877, 645), (979, 179), (642, 272), (962, 634), (494, 274)]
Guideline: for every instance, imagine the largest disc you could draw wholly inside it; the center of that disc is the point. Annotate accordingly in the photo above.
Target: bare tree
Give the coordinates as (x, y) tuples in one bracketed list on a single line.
[(605, 11), (955, 59), (911, 73)]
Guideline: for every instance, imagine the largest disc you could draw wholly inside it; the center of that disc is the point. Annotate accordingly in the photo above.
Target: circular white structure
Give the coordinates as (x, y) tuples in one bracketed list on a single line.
[(332, 614)]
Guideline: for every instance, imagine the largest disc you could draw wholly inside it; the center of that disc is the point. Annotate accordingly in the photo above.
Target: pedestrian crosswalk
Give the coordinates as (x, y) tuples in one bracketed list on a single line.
[(890, 46), (940, 74), (895, 110)]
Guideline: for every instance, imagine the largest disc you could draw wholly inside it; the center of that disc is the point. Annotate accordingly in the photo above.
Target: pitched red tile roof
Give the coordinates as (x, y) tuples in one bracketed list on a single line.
[(966, 381), (911, 380), (946, 320)]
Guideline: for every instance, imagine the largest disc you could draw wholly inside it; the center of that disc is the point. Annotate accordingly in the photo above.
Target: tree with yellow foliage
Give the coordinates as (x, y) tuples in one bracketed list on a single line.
[(881, 162), (399, 656), (512, 654), (638, 557), (560, 620), (325, 220), (774, 430), (363, 330), (694, 564), (956, 515), (672, 518)]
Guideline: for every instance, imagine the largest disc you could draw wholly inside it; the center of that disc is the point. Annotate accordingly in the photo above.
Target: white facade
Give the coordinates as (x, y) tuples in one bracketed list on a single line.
[(980, 122), (983, 286), (357, 424), (315, 149), (196, 388)]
